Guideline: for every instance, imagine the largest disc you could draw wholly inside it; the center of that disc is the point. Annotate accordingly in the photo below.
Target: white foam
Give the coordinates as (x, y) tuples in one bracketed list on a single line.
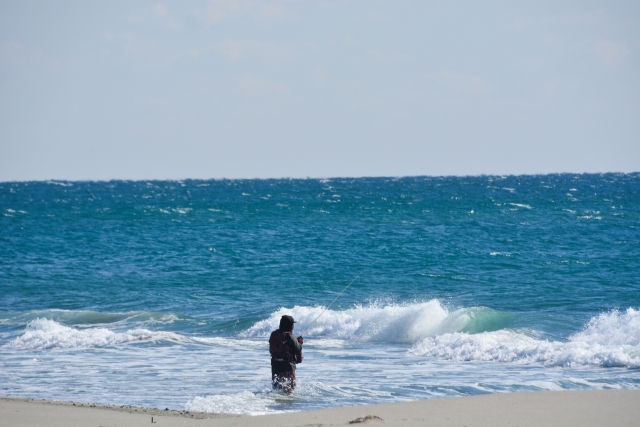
[(43, 334), (61, 183), (85, 318), (232, 342), (406, 323), (609, 340), (165, 319), (326, 343), (612, 329), (240, 403), (182, 210), (500, 253)]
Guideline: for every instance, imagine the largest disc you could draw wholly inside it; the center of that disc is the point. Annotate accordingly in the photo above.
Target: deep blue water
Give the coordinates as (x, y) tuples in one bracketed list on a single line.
[(471, 284)]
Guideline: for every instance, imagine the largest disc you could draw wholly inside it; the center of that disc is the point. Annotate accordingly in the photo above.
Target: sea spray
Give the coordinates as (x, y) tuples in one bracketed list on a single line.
[(391, 323)]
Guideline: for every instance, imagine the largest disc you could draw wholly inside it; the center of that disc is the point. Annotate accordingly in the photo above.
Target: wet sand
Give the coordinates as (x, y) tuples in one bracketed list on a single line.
[(550, 408)]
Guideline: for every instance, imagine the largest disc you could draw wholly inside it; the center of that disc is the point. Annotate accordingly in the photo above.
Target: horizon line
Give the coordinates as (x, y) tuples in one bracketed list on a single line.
[(317, 178)]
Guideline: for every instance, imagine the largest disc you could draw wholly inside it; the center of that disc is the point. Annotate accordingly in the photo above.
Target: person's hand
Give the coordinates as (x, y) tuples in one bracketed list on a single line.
[(300, 339)]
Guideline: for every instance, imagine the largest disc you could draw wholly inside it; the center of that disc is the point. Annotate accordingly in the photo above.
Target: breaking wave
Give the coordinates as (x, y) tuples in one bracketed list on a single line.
[(609, 340), (42, 334), (393, 323), (88, 317)]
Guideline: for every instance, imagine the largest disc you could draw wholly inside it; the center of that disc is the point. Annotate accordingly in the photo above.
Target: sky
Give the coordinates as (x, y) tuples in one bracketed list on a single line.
[(100, 90)]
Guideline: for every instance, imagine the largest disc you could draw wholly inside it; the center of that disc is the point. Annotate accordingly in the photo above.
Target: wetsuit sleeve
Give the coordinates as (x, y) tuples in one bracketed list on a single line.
[(270, 338), (293, 344)]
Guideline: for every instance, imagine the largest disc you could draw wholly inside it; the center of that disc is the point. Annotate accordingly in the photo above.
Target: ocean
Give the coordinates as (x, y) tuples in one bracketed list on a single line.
[(163, 293)]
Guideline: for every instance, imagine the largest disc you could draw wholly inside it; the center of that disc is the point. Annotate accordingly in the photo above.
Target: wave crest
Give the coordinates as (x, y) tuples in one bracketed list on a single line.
[(88, 317), (397, 323), (42, 334), (608, 340)]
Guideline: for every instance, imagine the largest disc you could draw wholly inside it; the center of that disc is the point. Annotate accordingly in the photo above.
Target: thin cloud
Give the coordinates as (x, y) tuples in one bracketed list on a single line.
[(152, 102), (235, 50), (252, 84), (319, 78), (148, 52), (588, 18), (349, 41), (10, 51), (564, 20), (379, 59), (160, 10), (219, 10), (15, 57), (610, 53), (456, 82)]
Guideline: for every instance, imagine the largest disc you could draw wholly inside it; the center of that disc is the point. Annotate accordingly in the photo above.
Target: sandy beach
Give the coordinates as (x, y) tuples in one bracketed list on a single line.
[(555, 408)]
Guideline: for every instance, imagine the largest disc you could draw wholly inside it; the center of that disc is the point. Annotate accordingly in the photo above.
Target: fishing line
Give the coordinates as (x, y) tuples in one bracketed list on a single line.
[(329, 306)]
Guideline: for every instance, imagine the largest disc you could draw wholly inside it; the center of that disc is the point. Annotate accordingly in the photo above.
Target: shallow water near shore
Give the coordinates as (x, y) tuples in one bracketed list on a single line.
[(163, 294)]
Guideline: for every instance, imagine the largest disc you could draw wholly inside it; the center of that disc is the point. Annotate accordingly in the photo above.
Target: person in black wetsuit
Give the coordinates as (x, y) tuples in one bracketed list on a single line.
[(286, 352)]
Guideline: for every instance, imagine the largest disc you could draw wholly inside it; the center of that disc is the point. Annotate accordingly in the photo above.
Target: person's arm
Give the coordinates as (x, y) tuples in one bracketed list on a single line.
[(293, 344)]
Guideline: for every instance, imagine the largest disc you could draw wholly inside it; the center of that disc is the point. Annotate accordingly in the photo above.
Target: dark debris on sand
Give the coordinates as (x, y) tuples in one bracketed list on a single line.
[(366, 419)]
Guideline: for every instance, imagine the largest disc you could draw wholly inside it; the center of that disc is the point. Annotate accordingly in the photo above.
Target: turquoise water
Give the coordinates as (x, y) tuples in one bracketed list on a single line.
[(163, 293)]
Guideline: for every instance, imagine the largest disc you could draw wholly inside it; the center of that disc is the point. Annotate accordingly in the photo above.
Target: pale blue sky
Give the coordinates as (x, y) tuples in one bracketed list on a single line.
[(267, 89)]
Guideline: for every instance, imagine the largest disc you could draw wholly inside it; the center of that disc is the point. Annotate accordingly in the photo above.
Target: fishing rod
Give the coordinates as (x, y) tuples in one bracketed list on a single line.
[(329, 306)]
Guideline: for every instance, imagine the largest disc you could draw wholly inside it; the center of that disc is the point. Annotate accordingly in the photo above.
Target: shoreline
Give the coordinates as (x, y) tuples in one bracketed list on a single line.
[(550, 408), (139, 410)]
